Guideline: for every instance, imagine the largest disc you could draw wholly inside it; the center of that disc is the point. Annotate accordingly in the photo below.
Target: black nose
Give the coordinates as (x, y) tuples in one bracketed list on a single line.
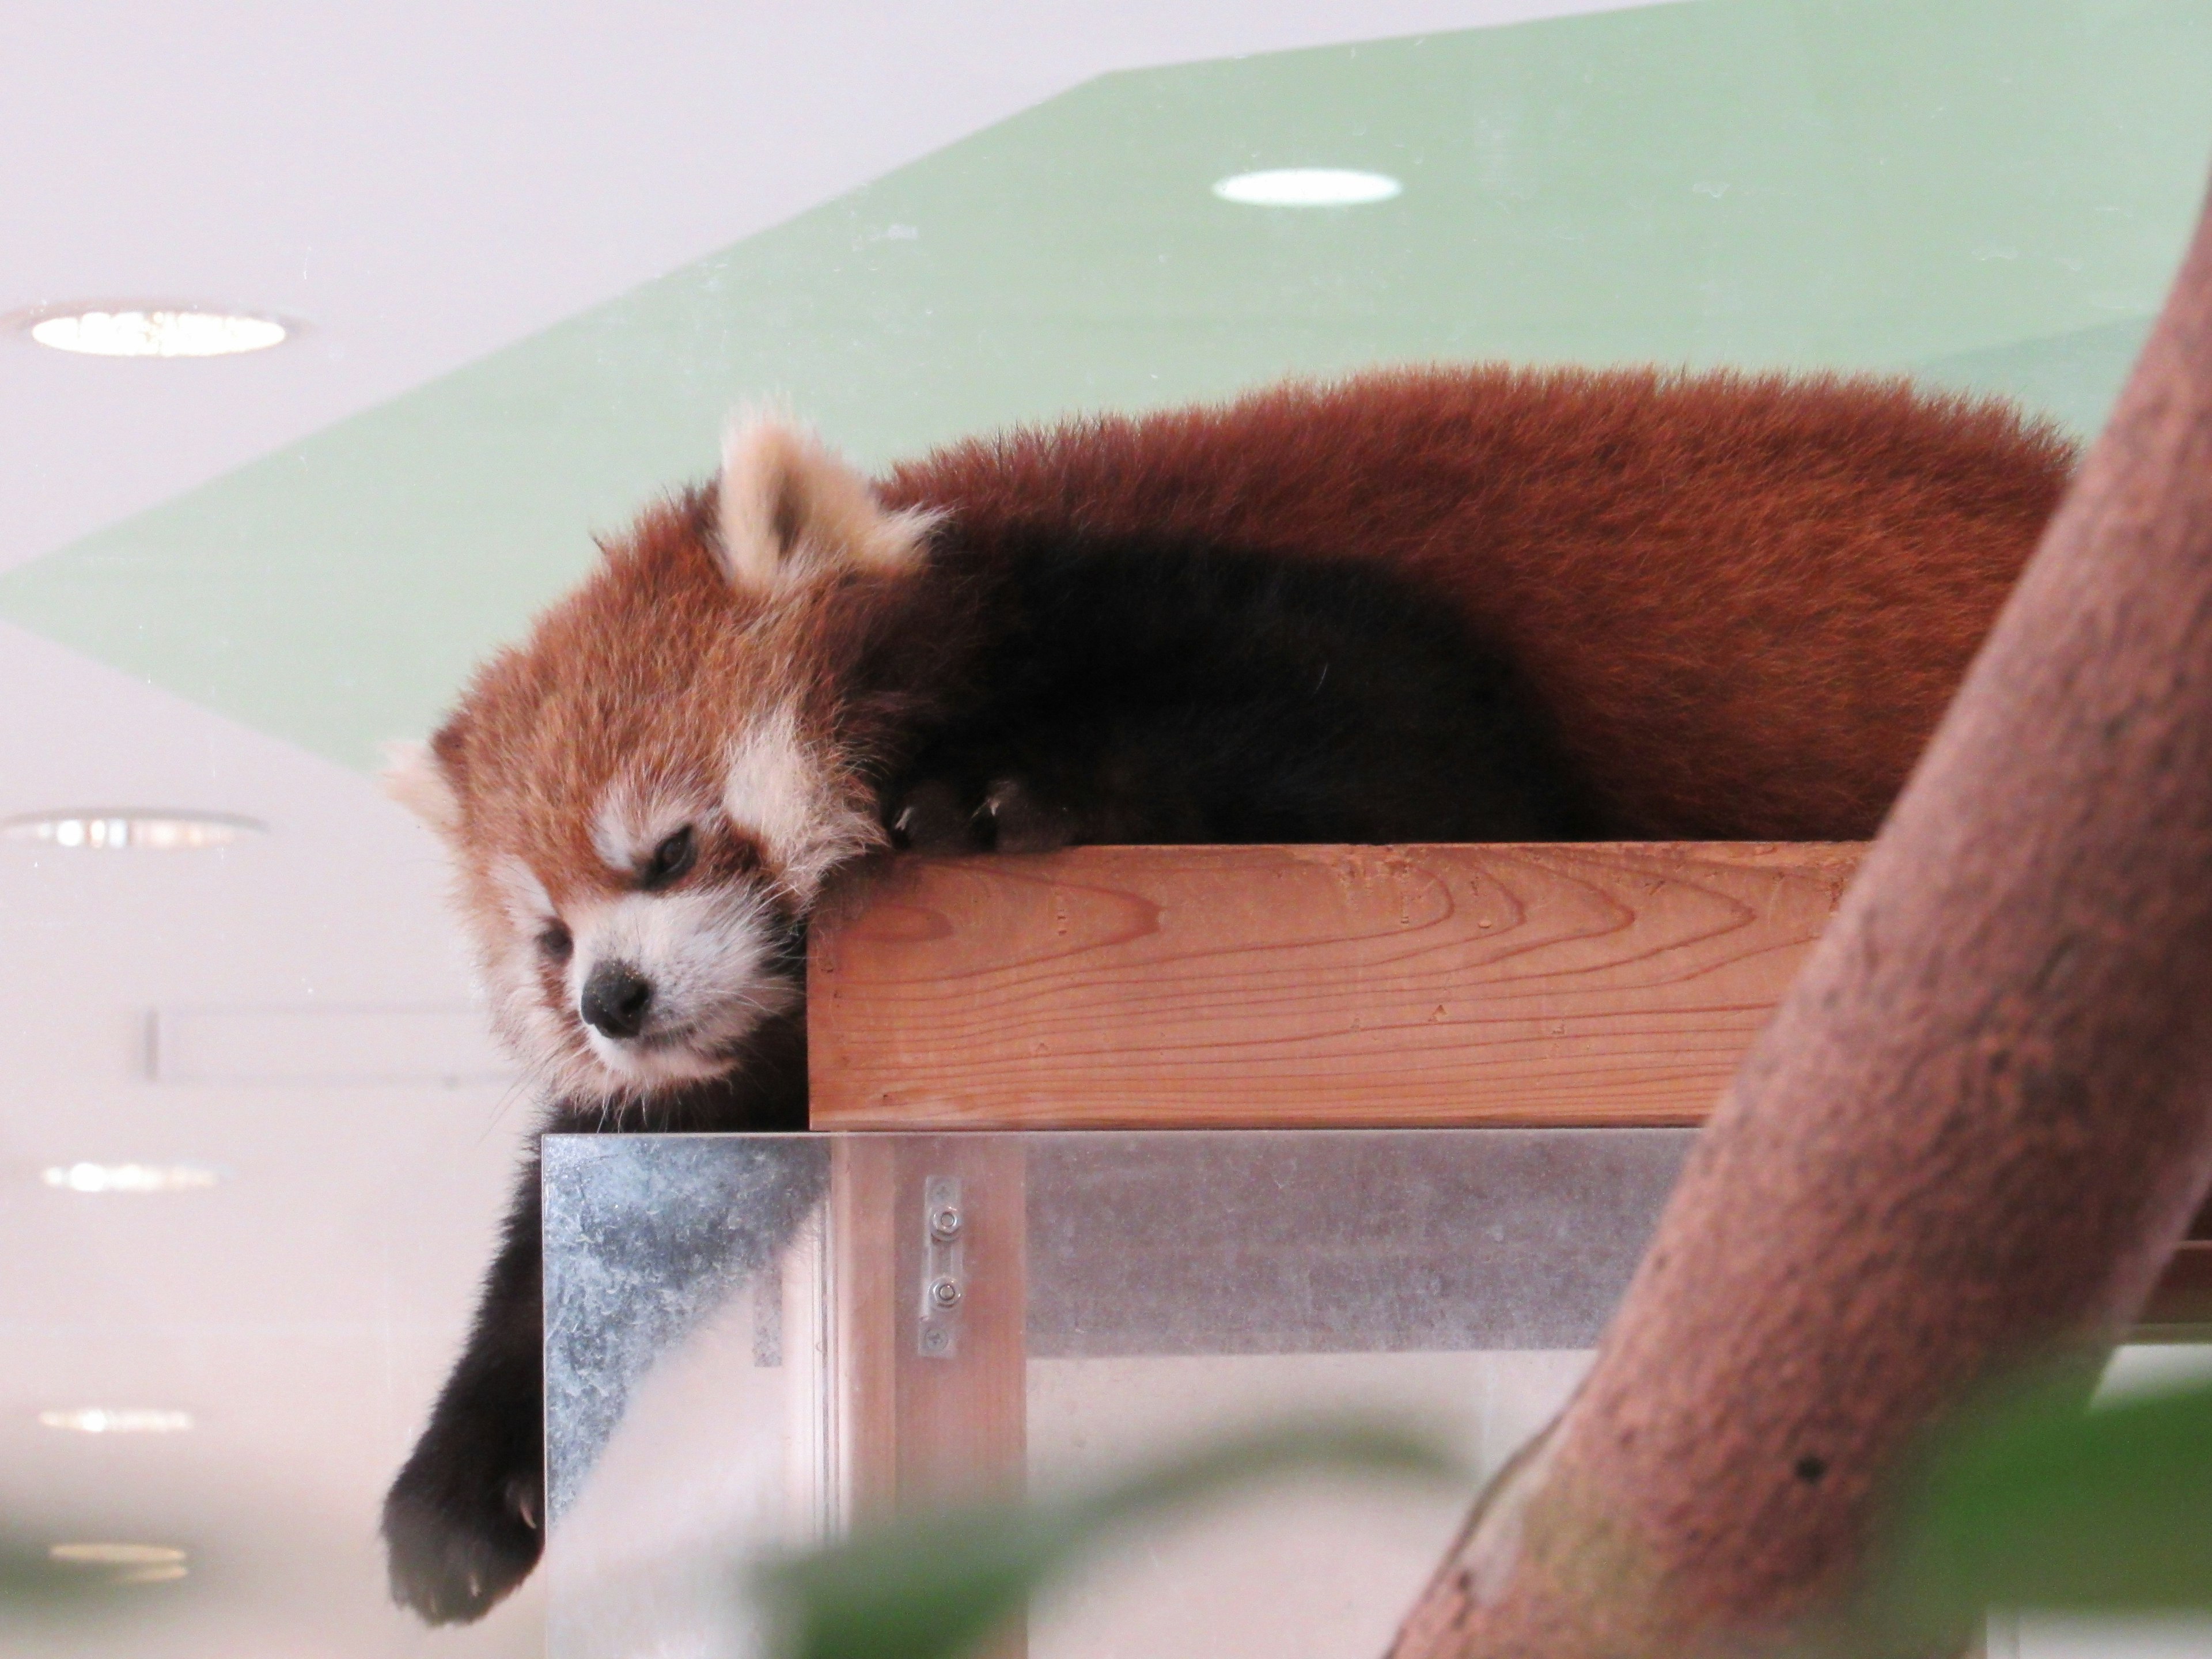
[(616, 998)]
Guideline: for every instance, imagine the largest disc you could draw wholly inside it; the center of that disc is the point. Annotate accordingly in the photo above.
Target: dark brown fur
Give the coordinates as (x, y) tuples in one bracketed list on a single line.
[(1744, 601)]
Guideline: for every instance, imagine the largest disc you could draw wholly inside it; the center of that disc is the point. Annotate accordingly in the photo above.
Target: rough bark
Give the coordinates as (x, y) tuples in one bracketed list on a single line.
[(1972, 1132)]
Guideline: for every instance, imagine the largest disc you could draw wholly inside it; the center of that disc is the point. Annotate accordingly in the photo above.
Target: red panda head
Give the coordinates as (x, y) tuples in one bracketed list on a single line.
[(644, 799)]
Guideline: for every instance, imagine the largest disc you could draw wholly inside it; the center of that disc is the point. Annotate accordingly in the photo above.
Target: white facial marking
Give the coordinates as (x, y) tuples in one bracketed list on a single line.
[(534, 1031), (528, 904), (778, 788), (708, 954), (712, 952), (633, 820)]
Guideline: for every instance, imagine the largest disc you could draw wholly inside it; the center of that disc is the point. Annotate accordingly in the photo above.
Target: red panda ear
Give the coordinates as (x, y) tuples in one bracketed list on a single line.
[(420, 776), (787, 508)]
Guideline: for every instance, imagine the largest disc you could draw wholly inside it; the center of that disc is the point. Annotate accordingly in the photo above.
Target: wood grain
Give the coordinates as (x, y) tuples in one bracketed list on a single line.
[(1228, 987)]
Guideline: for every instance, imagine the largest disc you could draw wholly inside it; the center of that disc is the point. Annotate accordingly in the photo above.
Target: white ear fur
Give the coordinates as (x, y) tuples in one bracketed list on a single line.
[(786, 507), (413, 776)]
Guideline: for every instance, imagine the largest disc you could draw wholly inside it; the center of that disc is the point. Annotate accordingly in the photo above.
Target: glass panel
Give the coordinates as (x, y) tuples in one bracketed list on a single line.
[(743, 1352)]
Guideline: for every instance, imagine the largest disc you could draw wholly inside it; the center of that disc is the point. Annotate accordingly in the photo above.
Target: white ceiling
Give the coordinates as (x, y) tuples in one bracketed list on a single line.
[(418, 184), (422, 182)]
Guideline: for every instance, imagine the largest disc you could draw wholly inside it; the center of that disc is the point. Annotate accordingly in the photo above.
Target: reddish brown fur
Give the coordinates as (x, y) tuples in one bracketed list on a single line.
[(612, 672), (644, 673), (657, 655), (1744, 600)]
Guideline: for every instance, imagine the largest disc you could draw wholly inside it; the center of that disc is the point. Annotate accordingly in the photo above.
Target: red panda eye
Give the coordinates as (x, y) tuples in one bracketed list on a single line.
[(555, 941), (669, 861)]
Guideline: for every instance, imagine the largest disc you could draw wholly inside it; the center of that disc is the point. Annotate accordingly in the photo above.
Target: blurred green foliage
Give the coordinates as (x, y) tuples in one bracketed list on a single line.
[(2037, 1499), (935, 1586), (2031, 1499)]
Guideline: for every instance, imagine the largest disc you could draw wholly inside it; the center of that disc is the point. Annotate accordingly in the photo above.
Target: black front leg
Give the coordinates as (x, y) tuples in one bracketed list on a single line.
[(464, 1521)]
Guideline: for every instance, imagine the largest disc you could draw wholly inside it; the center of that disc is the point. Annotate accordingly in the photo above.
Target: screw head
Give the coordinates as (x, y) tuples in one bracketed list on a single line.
[(944, 1223), (945, 1293), (935, 1340)]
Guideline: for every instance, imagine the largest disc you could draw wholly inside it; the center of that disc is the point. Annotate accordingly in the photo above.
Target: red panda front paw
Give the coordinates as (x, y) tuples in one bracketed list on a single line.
[(935, 815), (458, 1540), (1023, 821)]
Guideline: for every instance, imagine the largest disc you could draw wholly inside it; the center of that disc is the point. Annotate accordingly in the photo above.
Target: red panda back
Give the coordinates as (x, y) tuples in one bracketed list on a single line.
[(1744, 600)]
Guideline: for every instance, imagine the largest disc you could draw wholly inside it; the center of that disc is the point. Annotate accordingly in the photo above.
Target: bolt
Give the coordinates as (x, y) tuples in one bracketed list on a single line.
[(934, 1340), (944, 1223), (945, 1293)]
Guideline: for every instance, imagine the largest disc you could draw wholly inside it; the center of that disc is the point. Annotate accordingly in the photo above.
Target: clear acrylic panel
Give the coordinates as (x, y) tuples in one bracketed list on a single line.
[(754, 1342)]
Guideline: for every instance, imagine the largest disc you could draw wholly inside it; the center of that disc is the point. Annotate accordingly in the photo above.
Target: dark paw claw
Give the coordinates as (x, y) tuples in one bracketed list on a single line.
[(1009, 816), (931, 817), (1023, 821)]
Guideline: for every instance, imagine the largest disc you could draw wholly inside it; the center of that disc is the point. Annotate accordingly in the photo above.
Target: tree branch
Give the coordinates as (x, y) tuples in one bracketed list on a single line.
[(1971, 1135)]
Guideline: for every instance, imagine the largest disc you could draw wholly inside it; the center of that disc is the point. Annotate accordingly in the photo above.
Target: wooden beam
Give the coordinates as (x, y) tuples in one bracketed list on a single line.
[(1231, 986)]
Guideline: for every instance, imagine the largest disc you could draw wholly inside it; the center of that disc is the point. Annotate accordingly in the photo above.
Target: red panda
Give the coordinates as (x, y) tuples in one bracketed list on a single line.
[(1431, 604)]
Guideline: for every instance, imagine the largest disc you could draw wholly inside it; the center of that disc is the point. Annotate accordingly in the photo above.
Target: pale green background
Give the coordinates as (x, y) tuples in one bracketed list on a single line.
[(1991, 192)]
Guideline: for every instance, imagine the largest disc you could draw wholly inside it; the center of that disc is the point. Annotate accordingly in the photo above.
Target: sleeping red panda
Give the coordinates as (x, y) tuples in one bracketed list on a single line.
[(1418, 605)]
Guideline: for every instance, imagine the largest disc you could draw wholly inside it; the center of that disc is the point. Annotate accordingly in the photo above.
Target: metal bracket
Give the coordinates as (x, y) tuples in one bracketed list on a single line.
[(944, 1268)]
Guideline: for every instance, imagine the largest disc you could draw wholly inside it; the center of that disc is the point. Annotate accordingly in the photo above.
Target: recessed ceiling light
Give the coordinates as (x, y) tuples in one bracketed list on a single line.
[(155, 331), (130, 1177), (132, 1564), (117, 1420), (1308, 187), (114, 828)]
